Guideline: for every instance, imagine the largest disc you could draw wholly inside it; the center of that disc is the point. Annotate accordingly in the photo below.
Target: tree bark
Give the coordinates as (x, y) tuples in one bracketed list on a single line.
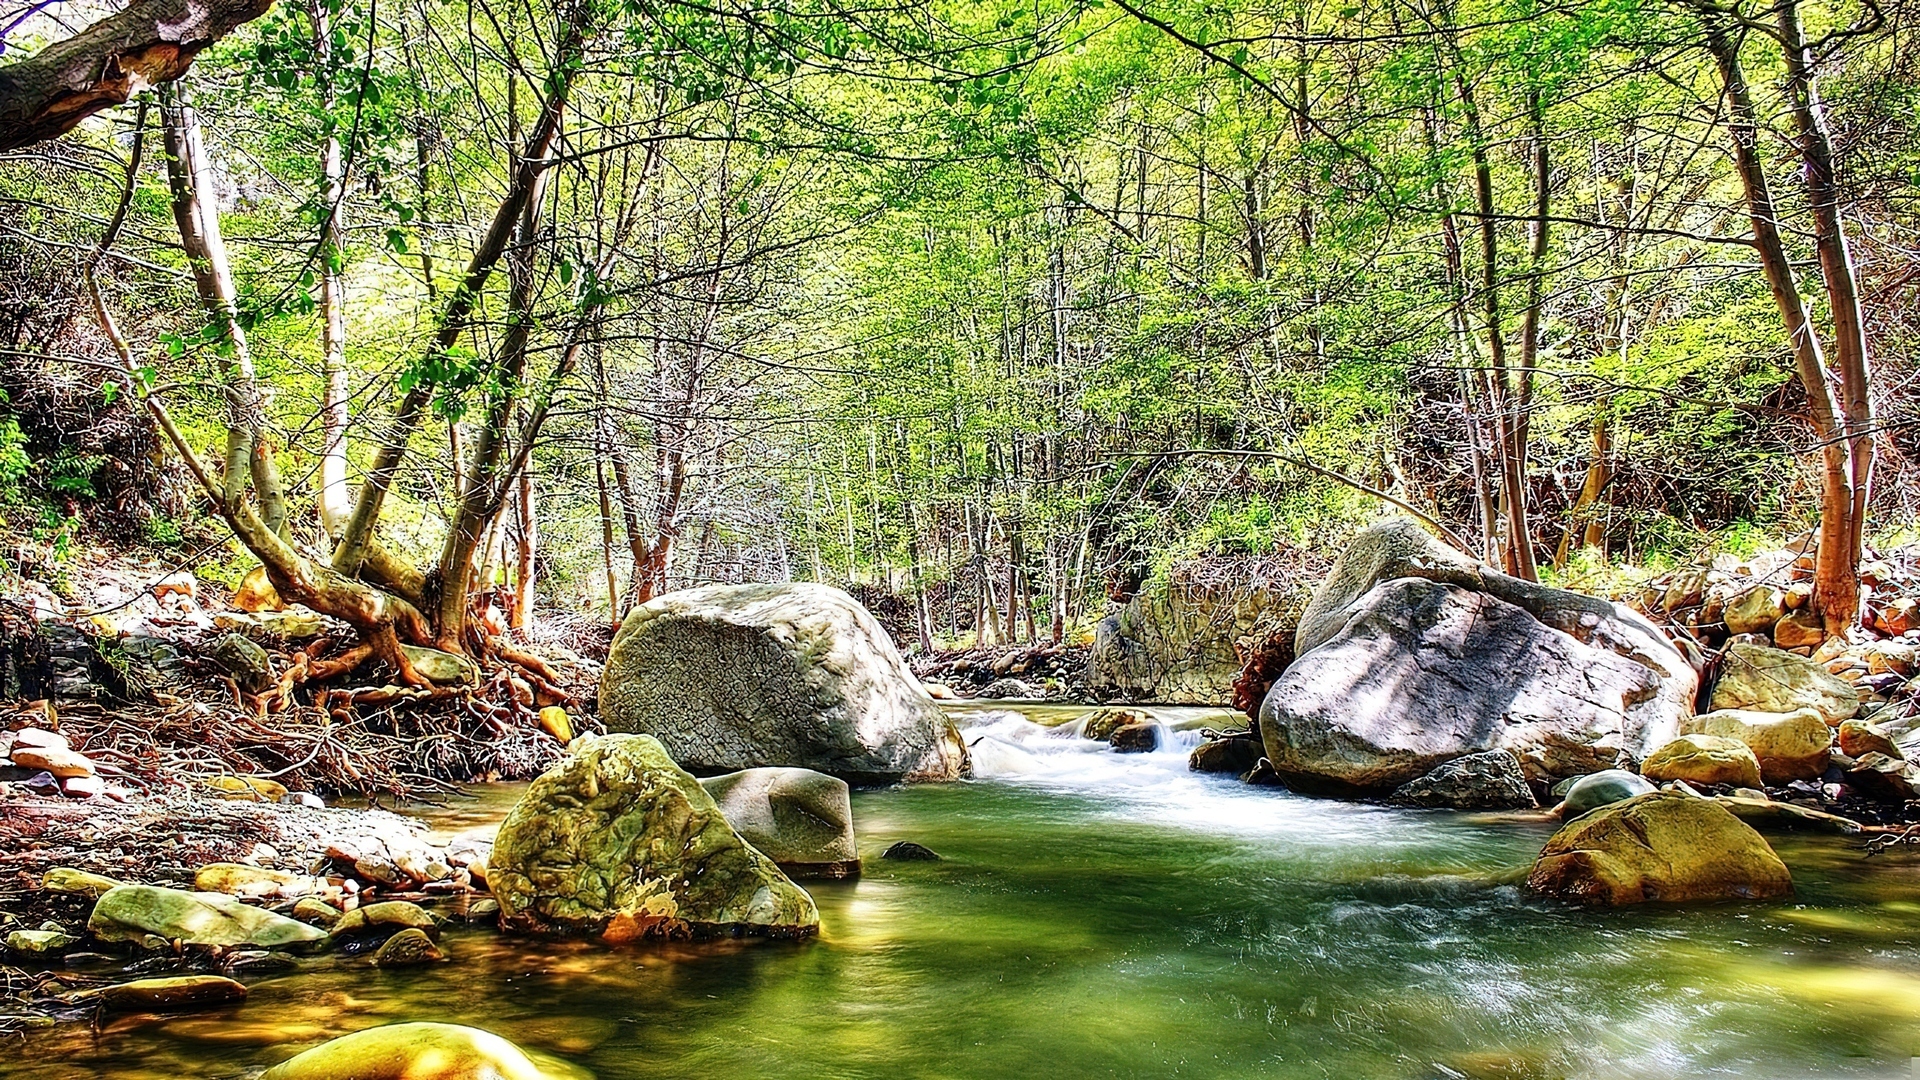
[(149, 43), (1836, 582)]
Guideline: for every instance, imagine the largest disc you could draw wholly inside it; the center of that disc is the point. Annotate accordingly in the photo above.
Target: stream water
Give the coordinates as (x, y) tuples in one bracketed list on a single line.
[(1107, 915)]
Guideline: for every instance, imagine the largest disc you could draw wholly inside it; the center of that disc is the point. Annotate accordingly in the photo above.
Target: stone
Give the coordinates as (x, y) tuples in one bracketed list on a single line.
[(316, 912), (1799, 595), (801, 819), (172, 994), (303, 798), (418, 1051), (1789, 746), (1786, 815), (247, 662), (383, 919), (176, 584), (40, 738), (256, 593), (1761, 679), (256, 882), (1891, 658), (908, 851), (40, 942), (939, 691), (134, 913), (733, 677), (1602, 789), (63, 764), (555, 722), (1177, 641), (618, 842), (1233, 754), (1421, 672), (246, 788), (1141, 738), (1491, 780), (83, 787), (1686, 588), (408, 948), (66, 879), (1703, 759), (1755, 610), (1883, 778), (1659, 847), (1799, 629), (1858, 738), (1100, 724), (1010, 689), (441, 668), (484, 911), (1902, 616)]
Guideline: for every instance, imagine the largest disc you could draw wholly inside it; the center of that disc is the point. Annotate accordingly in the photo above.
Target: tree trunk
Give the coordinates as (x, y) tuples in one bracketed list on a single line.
[(336, 500), (1836, 583), (150, 43)]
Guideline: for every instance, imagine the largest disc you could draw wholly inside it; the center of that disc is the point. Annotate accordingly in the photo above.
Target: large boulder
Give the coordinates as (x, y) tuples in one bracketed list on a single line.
[(1174, 640), (1763, 679), (733, 677), (140, 914), (420, 1051), (1789, 746), (617, 841), (1411, 655), (1664, 846), (801, 819)]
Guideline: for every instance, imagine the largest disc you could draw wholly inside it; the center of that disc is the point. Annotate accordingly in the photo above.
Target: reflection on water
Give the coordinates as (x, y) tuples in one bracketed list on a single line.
[(1108, 915)]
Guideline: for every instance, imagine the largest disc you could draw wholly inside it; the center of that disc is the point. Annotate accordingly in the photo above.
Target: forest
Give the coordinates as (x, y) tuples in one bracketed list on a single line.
[(1226, 419)]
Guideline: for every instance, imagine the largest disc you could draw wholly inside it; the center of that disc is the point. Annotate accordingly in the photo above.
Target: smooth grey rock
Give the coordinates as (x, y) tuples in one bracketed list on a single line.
[(801, 819), (732, 677), (1422, 672), (1491, 780), (1599, 789)]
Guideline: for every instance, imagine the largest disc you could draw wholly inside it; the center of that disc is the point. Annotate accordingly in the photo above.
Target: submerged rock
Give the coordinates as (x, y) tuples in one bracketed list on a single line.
[(1764, 679), (40, 942), (1661, 847), (419, 1051), (801, 819), (1141, 738), (1411, 655), (408, 948), (732, 677), (1703, 759), (172, 993), (1603, 788), (135, 914), (1234, 754), (908, 851), (1491, 780), (375, 921), (618, 842)]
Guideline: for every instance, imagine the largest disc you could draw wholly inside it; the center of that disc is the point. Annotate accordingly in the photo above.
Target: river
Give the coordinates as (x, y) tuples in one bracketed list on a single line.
[(1108, 915)]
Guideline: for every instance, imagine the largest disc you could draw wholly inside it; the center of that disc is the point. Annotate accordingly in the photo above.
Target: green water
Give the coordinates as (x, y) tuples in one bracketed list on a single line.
[(1119, 917)]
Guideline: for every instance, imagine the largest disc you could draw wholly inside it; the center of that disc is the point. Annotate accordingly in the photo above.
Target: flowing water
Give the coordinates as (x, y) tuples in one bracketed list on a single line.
[(1107, 915)]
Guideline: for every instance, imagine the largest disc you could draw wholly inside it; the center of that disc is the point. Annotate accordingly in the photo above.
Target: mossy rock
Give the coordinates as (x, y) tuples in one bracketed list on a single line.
[(134, 914), (1662, 847), (618, 842)]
